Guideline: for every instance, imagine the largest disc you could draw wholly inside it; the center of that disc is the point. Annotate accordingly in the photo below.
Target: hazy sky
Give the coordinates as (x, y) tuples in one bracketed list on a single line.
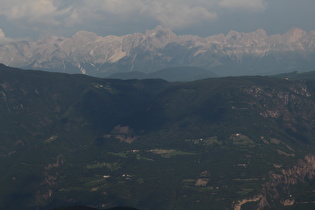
[(33, 19)]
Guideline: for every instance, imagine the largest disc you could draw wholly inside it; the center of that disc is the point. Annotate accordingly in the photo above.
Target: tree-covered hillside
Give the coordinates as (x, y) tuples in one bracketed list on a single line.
[(221, 143)]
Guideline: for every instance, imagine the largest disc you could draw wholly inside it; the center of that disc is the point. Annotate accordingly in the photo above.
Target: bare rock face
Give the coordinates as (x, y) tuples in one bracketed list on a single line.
[(288, 202), (88, 53), (277, 188), (238, 204), (285, 104)]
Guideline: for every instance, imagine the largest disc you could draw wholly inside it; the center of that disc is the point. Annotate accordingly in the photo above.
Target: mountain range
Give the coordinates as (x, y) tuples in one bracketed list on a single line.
[(235, 53), (218, 143)]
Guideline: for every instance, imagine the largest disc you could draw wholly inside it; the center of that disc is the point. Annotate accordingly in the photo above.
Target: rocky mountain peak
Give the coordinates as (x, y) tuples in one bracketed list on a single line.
[(233, 35), (160, 32), (295, 34), (86, 35), (158, 38), (157, 49), (260, 33)]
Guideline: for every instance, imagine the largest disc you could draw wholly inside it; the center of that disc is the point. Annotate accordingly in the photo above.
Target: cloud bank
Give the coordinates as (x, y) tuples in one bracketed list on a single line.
[(31, 11), (169, 13), (3, 38), (35, 19), (251, 5)]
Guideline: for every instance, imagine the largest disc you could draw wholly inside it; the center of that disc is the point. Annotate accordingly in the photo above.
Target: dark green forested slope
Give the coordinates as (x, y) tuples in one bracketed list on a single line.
[(237, 142)]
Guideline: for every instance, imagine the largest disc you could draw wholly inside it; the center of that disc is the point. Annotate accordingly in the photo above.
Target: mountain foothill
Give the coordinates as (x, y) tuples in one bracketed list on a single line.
[(244, 142)]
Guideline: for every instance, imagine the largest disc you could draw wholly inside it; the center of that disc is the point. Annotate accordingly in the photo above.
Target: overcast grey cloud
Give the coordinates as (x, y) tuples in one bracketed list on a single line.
[(31, 11), (3, 38), (37, 18), (243, 4)]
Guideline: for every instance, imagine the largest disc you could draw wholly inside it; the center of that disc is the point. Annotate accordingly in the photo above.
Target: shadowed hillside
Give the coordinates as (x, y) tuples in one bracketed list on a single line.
[(176, 74), (220, 143)]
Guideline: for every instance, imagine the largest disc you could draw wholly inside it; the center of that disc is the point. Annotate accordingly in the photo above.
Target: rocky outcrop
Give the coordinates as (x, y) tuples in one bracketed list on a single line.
[(238, 204), (288, 105), (304, 169), (277, 188)]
